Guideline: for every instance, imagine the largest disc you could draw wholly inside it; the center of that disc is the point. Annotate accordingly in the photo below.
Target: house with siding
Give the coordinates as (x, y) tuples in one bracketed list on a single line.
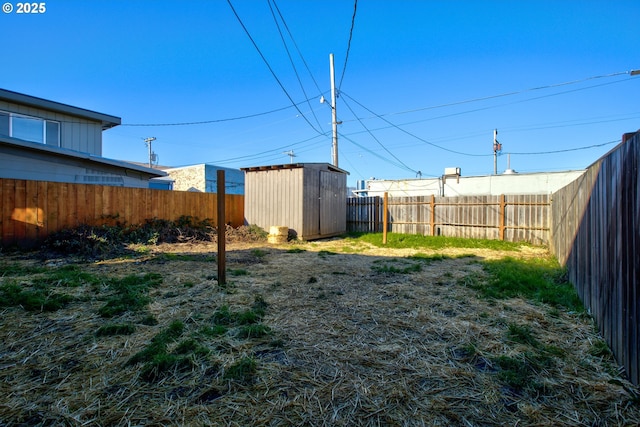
[(204, 178), (49, 141)]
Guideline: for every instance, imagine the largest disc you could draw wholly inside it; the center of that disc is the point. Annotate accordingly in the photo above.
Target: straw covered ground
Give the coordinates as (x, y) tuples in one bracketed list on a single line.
[(328, 333)]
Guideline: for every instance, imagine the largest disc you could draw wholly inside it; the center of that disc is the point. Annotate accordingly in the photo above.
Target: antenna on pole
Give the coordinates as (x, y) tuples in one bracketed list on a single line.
[(152, 155), (290, 154), (496, 147)]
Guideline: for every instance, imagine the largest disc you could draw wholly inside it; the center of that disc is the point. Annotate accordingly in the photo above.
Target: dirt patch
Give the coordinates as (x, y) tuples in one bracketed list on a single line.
[(347, 343)]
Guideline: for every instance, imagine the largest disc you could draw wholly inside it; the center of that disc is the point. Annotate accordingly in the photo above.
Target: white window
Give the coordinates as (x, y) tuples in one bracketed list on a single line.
[(29, 128)]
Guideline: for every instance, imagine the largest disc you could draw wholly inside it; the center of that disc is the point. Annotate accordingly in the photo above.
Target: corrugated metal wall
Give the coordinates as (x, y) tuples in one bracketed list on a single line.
[(274, 197), (310, 199)]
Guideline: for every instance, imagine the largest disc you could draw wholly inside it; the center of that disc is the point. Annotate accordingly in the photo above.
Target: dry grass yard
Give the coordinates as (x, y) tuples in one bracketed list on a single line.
[(329, 333)]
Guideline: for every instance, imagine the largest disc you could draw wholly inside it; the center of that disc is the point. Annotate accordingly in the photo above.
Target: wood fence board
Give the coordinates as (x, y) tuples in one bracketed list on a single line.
[(526, 218), (596, 235), (19, 210), (31, 210), (41, 203), (8, 202), (31, 214)]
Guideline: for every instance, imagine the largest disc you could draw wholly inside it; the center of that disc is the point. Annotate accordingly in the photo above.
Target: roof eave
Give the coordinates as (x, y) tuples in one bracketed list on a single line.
[(107, 121)]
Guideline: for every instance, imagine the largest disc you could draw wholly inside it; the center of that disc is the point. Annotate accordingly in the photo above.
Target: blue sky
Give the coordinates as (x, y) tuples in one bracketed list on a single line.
[(425, 83)]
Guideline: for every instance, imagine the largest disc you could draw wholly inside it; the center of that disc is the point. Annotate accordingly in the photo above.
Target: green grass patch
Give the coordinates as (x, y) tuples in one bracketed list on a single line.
[(41, 294), (396, 266), (324, 254), (70, 276), (186, 257), (415, 241), (257, 330), (295, 250), (238, 272), (8, 269), (522, 335), (222, 316), (213, 331), (539, 279), (600, 349), (148, 320), (130, 294), (112, 329), (163, 363), (259, 253), (242, 371), (159, 343), (40, 299), (521, 371)]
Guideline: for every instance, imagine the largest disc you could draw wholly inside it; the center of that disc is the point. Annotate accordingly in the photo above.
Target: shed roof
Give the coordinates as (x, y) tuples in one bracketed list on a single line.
[(107, 120), (328, 166)]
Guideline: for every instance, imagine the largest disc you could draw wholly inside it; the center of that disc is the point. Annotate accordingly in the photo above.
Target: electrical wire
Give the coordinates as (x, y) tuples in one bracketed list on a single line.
[(383, 158), (566, 150), (346, 58), (286, 27), (413, 135), (205, 122), (378, 141), (293, 65), (269, 67), (472, 100), (485, 98), (270, 152)]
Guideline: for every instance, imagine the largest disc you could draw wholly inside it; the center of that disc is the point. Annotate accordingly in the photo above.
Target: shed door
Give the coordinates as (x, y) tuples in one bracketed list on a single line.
[(331, 205)]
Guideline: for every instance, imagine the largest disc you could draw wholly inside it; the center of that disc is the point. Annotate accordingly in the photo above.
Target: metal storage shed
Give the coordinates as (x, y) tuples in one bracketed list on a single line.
[(309, 198)]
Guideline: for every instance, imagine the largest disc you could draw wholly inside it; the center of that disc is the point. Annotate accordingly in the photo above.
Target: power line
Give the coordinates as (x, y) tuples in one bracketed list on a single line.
[(204, 122), (269, 67), (346, 58), (191, 123), (383, 158), (296, 46), (568, 149), (486, 155), (377, 140), (271, 152), (485, 98), (413, 135), (286, 48)]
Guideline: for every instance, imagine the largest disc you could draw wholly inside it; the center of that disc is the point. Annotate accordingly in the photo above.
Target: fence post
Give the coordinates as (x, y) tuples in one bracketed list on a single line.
[(502, 215), (376, 213), (433, 215), (385, 218), (222, 256)]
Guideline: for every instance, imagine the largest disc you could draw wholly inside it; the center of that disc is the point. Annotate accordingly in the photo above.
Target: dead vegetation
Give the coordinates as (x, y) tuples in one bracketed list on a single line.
[(335, 332)]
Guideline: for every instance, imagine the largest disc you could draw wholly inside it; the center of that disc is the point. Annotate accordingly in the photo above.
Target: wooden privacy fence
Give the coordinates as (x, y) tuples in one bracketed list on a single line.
[(512, 218), (31, 210), (596, 235)]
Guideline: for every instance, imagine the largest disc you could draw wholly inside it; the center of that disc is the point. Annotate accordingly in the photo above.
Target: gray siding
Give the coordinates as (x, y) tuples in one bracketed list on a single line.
[(274, 197), (40, 167), (75, 133)]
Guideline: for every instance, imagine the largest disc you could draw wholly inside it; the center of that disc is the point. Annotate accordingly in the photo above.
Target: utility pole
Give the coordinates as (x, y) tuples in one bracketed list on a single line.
[(334, 119), (291, 155), (148, 142), (496, 147)]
